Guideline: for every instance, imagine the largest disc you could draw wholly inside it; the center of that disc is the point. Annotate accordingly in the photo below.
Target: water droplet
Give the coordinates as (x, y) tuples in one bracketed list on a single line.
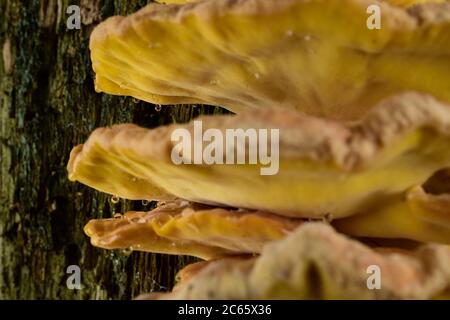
[(307, 37), (118, 216), (289, 33), (183, 203), (161, 204), (126, 252), (138, 220), (115, 199), (257, 75), (145, 203), (158, 108), (134, 179)]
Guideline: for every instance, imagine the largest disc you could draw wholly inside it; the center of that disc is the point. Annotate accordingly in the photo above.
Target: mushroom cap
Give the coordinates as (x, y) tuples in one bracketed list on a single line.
[(325, 166), (315, 56), (190, 229), (315, 262)]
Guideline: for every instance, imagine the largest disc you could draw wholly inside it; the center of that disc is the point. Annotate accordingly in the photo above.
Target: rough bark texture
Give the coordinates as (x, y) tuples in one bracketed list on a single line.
[(48, 105)]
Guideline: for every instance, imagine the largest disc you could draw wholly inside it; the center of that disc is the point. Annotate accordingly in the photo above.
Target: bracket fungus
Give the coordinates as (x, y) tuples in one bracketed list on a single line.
[(361, 123), (325, 166), (417, 216), (315, 262), (315, 56), (187, 229)]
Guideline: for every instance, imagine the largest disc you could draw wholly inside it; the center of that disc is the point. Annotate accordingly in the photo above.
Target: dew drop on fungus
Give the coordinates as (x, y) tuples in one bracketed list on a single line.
[(161, 204), (184, 203), (138, 220), (117, 216), (158, 108), (126, 252), (115, 199), (142, 220)]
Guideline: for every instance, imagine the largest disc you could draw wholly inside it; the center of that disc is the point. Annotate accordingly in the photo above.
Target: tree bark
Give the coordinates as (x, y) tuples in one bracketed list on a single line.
[(48, 105)]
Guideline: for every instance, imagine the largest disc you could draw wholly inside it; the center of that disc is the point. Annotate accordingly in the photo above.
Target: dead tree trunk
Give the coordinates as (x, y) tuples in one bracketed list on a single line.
[(48, 105)]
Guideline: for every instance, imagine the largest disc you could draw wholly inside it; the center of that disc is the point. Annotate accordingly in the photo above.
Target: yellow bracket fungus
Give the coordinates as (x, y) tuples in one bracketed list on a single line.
[(181, 228), (315, 56), (325, 167), (362, 121), (315, 262), (418, 216)]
